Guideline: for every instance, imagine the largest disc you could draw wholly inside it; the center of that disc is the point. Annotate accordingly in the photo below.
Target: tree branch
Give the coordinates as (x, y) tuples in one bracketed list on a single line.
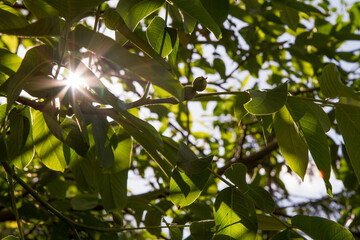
[(253, 157)]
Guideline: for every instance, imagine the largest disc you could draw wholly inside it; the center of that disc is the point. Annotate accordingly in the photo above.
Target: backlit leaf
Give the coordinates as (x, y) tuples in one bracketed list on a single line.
[(155, 33), (292, 145), (196, 10), (321, 228), (9, 62), (303, 114), (268, 223), (267, 102), (185, 189), (234, 215), (331, 85), (48, 148), (35, 59)]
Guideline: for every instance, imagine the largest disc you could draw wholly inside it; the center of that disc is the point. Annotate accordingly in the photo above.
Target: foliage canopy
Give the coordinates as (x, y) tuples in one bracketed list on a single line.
[(277, 79)]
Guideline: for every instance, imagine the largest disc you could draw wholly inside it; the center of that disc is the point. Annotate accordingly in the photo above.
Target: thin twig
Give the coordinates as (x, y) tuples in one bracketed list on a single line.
[(69, 220)]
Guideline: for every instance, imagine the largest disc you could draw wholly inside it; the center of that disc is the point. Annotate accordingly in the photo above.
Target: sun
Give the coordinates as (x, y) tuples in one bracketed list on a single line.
[(75, 80)]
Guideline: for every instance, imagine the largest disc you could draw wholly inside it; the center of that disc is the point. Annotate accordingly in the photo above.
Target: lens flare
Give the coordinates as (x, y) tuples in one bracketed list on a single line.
[(74, 80)]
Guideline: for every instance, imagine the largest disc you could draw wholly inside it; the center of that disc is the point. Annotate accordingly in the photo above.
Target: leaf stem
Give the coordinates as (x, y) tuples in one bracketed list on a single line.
[(314, 100), (13, 202)]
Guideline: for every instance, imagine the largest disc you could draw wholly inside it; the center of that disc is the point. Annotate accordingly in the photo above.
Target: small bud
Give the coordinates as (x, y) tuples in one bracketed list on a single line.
[(199, 84)]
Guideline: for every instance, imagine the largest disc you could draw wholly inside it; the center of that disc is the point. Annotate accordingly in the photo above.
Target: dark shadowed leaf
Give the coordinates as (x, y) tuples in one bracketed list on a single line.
[(113, 190), (40, 8), (202, 230), (73, 9), (348, 118), (261, 198), (189, 162), (10, 18), (237, 174)]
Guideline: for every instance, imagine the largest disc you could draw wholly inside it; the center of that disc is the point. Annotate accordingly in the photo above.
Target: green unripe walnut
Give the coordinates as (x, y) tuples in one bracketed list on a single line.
[(188, 93), (199, 84)]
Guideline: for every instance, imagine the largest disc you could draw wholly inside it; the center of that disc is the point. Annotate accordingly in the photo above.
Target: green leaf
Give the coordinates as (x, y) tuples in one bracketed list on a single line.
[(303, 114), (84, 202), (35, 59), (266, 125), (10, 238), (147, 142), (261, 198), (40, 8), (154, 215), (267, 223), (348, 118), (10, 18), (134, 11), (202, 230), (195, 9), (155, 34), (73, 136), (289, 16), (219, 10), (48, 148), (109, 49), (102, 142), (189, 23), (185, 189), (240, 100), (113, 20), (236, 173), (288, 234), (292, 145), (20, 143), (84, 171), (9, 62), (189, 162), (113, 190), (73, 9), (267, 102), (234, 215), (331, 85), (122, 155), (45, 27), (321, 228)]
